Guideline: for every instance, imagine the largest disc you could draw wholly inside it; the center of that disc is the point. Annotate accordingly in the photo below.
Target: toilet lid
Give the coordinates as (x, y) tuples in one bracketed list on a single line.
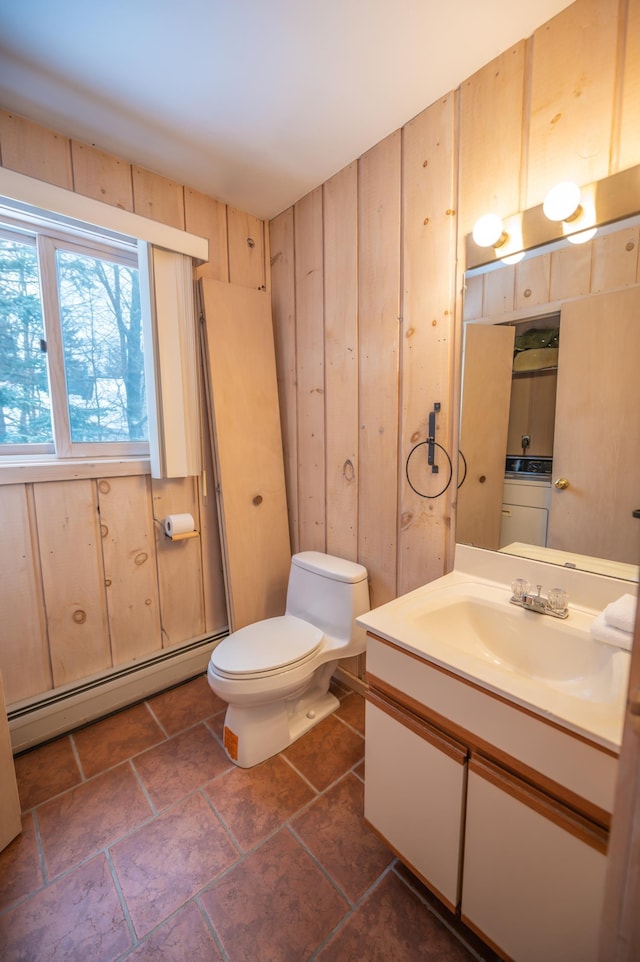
[(266, 646)]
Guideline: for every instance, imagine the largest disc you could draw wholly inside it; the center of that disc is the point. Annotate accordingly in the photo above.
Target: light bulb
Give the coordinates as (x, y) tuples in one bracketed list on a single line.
[(488, 231), (562, 202)]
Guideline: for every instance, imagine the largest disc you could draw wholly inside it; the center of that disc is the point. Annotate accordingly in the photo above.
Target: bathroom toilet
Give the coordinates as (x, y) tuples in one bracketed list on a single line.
[(275, 674)]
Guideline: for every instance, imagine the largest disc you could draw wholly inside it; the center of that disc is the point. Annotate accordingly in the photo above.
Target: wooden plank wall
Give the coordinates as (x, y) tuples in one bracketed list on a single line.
[(99, 584), (564, 102)]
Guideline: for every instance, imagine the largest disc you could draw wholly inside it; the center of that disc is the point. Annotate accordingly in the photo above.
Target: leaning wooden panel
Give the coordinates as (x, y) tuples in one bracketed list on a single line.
[(179, 564), (283, 305), (128, 550), (207, 217), (341, 360), (429, 240), (158, 198), (490, 150), (248, 449), (34, 150), (379, 312), (101, 176), (215, 603), (24, 651), (72, 578), (246, 249), (310, 371), (572, 82)]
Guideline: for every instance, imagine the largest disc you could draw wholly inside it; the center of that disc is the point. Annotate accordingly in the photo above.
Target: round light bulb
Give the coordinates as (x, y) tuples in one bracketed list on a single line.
[(562, 201), (488, 231)]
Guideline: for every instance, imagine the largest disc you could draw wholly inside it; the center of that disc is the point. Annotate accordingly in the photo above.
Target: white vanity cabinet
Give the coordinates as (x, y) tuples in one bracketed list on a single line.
[(534, 872), (503, 815), (415, 786)]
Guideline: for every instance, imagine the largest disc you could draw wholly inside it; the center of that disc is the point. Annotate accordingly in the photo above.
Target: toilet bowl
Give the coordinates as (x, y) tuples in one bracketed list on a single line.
[(275, 674)]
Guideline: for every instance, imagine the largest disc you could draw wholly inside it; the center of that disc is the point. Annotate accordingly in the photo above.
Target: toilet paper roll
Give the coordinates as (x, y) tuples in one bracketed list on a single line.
[(178, 524)]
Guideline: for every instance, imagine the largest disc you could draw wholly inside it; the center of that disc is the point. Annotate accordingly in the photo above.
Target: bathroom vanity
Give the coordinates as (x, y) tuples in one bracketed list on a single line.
[(492, 739)]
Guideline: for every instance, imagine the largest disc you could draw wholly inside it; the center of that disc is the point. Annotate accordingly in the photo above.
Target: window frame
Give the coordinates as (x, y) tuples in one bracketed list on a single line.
[(48, 237)]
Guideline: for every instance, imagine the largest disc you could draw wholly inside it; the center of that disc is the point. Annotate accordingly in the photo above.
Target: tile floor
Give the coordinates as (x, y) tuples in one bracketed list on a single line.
[(142, 841)]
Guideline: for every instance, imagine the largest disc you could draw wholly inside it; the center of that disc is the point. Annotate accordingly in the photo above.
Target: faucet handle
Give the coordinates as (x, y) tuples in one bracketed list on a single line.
[(558, 599), (519, 587)]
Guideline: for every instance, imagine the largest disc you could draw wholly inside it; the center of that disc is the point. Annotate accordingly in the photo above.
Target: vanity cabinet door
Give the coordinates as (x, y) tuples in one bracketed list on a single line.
[(533, 870), (414, 794)]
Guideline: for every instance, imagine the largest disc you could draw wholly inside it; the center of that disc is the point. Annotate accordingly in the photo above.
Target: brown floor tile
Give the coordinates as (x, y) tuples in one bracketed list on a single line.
[(20, 872), (326, 753), (254, 802), (351, 711), (185, 936), (168, 861), (392, 923), (77, 919), (44, 772), (180, 765), (359, 770), (186, 705), (276, 904), (333, 829), (112, 740), (90, 816)]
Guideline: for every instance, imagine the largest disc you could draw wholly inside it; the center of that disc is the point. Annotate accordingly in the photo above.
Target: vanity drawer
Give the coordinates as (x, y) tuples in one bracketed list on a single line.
[(563, 763)]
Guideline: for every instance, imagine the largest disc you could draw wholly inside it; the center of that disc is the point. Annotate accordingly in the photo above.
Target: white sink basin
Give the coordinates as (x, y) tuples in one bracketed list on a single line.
[(473, 627)]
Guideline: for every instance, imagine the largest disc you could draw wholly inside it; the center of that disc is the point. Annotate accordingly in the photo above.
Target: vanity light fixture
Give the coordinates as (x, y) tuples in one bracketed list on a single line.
[(488, 231), (563, 202)]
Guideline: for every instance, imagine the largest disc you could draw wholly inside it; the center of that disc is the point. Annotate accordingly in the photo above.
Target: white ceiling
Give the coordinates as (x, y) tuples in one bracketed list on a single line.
[(254, 102)]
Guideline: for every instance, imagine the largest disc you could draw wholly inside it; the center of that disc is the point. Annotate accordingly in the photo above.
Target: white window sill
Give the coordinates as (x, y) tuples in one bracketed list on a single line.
[(15, 471)]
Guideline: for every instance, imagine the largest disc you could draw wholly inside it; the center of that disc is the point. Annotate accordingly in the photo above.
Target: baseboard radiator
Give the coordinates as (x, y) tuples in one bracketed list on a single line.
[(54, 713)]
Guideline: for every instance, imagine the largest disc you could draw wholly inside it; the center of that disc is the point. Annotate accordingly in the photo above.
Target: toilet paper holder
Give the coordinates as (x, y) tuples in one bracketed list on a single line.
[(178, 527)]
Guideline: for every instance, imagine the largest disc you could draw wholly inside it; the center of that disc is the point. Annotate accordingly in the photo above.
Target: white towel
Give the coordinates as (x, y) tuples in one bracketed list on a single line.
[(601, 631), (621, 613)]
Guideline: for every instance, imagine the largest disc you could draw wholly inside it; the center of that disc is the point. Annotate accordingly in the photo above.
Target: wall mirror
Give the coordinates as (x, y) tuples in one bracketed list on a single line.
[(550, 408)]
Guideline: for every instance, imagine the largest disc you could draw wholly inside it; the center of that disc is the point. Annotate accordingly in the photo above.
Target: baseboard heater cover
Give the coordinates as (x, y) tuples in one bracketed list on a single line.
[(40, 719)]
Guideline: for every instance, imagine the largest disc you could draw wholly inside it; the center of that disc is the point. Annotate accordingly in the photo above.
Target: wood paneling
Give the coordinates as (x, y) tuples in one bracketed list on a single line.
[(283, 305), (128, 551), (341, 360), (246, 250), (628, 148), (35, 150), (429, 226), (158, 198), (101, 176), (572, 84), (24, 654), (183, 581), (72, 578), (491, 127), (310, 371), (179, 563), (207, 217), (379, 312)]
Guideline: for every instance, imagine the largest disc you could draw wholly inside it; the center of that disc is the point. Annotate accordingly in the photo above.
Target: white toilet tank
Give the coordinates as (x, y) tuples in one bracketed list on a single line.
[(328, 592)]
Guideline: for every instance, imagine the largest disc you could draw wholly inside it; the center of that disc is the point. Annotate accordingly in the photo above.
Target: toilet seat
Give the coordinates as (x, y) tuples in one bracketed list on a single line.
[(266, 647)]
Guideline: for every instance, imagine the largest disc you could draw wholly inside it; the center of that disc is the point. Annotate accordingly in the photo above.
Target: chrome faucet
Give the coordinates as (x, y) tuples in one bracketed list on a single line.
[(555, 605)]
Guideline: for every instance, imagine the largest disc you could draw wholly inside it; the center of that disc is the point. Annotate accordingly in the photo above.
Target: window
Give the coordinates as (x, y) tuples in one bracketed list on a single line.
[(72, 381)]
